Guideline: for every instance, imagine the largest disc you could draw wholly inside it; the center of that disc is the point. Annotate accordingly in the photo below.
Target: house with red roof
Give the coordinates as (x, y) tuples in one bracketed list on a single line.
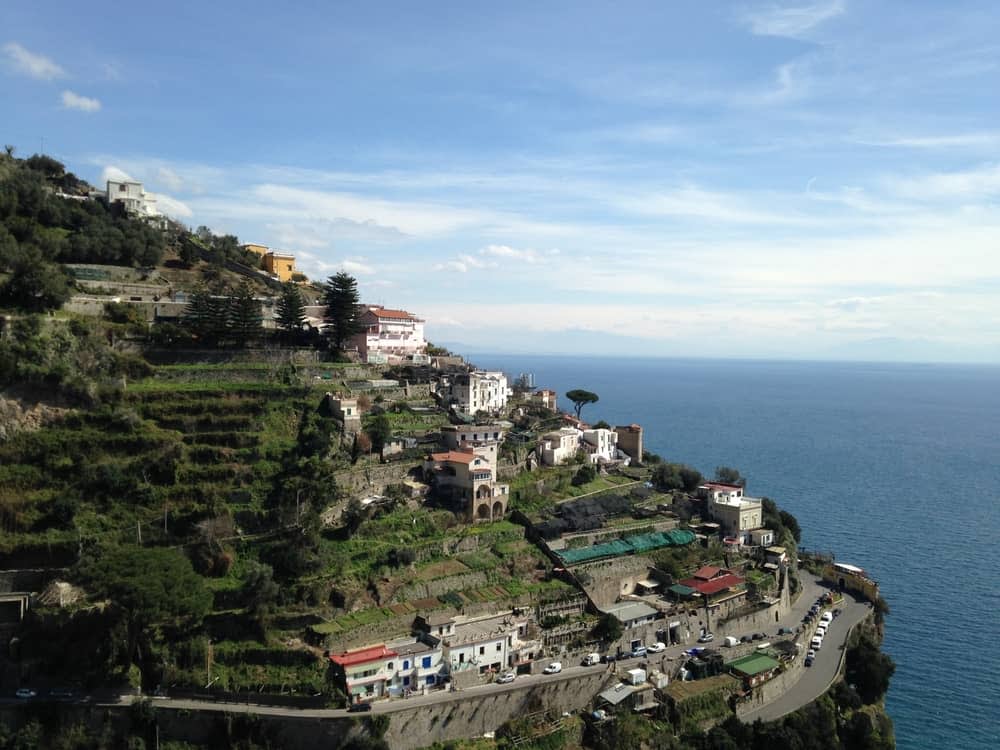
[(364, 672), (389, 335), (717, 586)]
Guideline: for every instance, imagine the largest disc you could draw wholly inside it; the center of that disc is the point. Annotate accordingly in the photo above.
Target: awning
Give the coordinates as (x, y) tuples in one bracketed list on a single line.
[(359, 690), (682, 591), (649, 584)]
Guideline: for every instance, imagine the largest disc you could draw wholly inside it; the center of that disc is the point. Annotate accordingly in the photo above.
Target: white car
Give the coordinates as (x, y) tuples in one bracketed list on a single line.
[(553, 668), (25, 693), (505, 678), (811, 653), (656, 648), (827, 617)]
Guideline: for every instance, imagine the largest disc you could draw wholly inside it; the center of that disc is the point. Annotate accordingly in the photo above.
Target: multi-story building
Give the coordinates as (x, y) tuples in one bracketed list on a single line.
[(546, 398), (389, 335), (468, 475), (478, 391), (346, 410), (419, 664), (133, 199), (364, 672), (456, 435), (281, 265), (559, 446), (737, 516), (601, 446), (484, 643)]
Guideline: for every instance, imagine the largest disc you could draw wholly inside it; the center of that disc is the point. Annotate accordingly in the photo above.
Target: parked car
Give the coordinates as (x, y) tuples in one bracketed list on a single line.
[(745, 639), (656, 648), (505, 678), (25, 693), (784, 631), (809, 661), (827, 617), (836, 612), (758, 637), (817, 642), (553, 668), (591, 659), (609, 658), (356, 707), (62, 693), (638, 651), (811, 654), (707, 638)]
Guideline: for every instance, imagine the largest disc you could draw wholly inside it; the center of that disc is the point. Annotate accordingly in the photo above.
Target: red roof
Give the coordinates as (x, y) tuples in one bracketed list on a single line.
[(708, 572), (381, 312), (457, 456), (728, 581), (362, 655), (722, 486)]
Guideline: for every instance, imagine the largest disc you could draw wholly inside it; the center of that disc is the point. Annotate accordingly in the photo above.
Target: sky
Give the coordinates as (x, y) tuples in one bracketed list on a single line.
[(815, 179)]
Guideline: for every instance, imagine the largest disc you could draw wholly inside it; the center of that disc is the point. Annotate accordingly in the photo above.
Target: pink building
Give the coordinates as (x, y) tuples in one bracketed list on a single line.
[(389, 335)]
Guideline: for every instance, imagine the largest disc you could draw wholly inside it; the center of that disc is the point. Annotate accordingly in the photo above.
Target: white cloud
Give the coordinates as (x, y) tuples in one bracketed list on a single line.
[(172, 207), (954, 140), (505, 251), (170, 178), (695, 202), (32, 64), (791, 21), (71, 100), (116, 174), (981, 182)]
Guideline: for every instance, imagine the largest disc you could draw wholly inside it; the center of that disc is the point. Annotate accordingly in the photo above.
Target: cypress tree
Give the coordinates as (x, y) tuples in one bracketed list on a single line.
[(244, 313), (291, 311)]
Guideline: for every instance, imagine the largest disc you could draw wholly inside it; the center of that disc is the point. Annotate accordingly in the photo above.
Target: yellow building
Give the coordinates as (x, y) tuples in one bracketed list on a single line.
[(261, 250), (281, 265)]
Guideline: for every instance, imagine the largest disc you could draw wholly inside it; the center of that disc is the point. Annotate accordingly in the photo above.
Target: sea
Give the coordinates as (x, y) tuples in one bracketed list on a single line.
[(892, 467)]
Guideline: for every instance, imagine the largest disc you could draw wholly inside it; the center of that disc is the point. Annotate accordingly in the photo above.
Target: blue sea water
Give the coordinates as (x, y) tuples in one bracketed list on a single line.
[(893, 467)]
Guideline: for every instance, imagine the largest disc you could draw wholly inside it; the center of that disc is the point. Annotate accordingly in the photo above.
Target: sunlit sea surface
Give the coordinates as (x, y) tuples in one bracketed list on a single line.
[(893, 467)]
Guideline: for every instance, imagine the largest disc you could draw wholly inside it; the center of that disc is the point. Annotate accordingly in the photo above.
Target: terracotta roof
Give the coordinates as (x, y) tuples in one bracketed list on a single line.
[(456, 456), (708, 572), (714, 586), (362, 655), (382, 312), (721, 486)]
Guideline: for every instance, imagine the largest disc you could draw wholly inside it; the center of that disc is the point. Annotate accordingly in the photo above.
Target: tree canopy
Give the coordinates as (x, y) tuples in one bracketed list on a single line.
[(581, 398), (291, 312), (340, 296)]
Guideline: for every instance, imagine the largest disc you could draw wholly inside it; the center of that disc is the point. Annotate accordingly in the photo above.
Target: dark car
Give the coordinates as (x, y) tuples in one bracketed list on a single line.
[(809, 661), (784, 631), (609, 658), (758, 636), (355, 707), (62, 693), (836, 613), (745, 639)]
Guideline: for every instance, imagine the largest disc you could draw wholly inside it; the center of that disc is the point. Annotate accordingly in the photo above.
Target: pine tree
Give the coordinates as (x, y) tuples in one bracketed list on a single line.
[(291, 312), (198, 314), (244, 313), (340, 295)]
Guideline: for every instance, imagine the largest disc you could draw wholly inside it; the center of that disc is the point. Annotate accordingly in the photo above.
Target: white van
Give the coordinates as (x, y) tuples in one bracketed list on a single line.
[(730, 641), (817, 642), (591, 659)]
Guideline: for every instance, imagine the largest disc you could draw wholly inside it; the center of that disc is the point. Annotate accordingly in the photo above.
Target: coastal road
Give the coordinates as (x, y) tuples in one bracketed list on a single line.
[(815, 680)]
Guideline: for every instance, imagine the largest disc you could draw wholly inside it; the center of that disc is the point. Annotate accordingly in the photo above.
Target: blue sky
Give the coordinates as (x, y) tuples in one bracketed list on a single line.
[(815, 179)]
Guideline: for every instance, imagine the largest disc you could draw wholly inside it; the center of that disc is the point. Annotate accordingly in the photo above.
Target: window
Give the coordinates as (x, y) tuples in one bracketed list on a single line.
[(425, 662), (406, 682), (499, 647), (482, 650), (388, 666), (406, 664), (430, 679)]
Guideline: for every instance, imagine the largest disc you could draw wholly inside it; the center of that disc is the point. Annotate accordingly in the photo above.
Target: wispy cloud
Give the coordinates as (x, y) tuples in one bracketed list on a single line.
[(978, 183), (953, 140), (791, 21), (31, 63), (71, 100)]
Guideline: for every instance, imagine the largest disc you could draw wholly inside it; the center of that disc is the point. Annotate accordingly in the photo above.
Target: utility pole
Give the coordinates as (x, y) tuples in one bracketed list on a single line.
[(164, 518), (138, 531)]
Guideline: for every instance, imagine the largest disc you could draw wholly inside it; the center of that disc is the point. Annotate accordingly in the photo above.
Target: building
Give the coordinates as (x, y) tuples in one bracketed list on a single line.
[(630, 441), (546, 398), (454, 436), (260, 250), (478, 391), (484, 644), (632, 614), (851, 578), (281, 265), (468, 475), (132, 198), (754, 669), (762, 537), (601, 446), (346, 410), (559, 446), (419, 665), (736, 514), (389, 335), (717, 586), (365, 672)]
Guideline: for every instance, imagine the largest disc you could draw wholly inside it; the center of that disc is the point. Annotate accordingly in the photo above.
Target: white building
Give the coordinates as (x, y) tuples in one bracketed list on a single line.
[(389, 335), (418, 665), (490, 643), (559, 446), (737, 515), (135, 200), (479, 391), (601, 445)]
